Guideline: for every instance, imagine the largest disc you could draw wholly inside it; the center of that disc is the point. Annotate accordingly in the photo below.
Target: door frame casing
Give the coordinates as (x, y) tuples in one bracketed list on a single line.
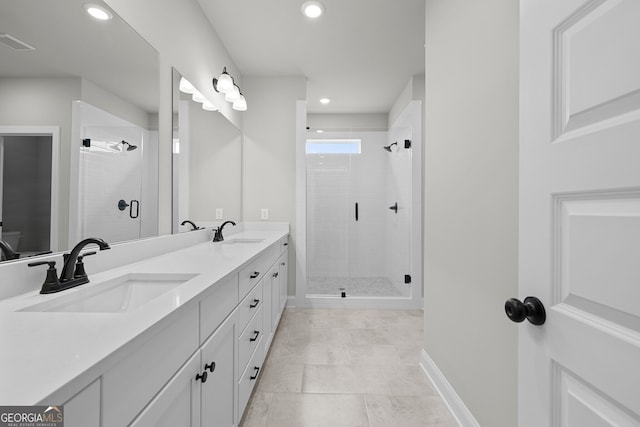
[(54, 133)]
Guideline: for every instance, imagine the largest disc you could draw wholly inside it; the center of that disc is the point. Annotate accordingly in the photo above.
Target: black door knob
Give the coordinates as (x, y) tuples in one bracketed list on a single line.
[(531, 309)]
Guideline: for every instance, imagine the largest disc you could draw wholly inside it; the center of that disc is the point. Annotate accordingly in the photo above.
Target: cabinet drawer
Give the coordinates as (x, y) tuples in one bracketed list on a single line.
[(284, 244), (221, 300), (250, 275), (249, 339), (249, 376), (148, 365), (249, 306)]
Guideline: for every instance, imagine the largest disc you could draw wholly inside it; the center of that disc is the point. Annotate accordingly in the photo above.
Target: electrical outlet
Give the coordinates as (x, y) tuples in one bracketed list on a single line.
[(219, 213), (264, 214)]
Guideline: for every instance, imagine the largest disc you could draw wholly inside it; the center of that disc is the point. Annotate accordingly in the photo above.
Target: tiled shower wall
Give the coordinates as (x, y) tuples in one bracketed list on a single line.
[(109, 173)]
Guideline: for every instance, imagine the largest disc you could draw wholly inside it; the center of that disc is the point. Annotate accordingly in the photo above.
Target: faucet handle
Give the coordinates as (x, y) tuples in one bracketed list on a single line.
[(51, 281), (79, 270)]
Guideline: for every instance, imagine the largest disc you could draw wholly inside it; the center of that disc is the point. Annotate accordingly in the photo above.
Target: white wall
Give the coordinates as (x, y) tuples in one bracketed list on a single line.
[(470, 250), (215, 158), (269, 152)]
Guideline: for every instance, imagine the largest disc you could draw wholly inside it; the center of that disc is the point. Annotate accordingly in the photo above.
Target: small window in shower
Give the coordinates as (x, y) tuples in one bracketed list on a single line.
[(333, 146)]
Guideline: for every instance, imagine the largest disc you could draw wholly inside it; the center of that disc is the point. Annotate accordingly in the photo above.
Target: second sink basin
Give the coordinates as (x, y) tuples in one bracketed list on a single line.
[(119, 295)]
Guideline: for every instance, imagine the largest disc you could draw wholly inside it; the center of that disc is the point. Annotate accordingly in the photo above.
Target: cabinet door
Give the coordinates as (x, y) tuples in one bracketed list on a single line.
[(219, 354), (266, 309), (283, 268), (274, 273), (178, 403)]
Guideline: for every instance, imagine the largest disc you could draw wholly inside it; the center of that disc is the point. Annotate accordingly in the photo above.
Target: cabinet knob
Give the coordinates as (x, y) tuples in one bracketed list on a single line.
[(255, 375), (202, 377), (283, 263), (255, 303), (254, 274), (210, 366), (255, 337), (275, 274)]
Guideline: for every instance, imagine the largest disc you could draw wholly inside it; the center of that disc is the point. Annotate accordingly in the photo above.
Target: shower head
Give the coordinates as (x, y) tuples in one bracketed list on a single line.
[(130, 146), (388, 147)]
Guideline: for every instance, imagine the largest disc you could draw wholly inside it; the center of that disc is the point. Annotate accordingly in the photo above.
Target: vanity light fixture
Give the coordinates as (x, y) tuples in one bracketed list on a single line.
[(98, 12), (207, 105), (240, 104), (224, 83), (186, 86), (312, 9), (198, 97), (232, 94), (324, 101), (227, 86)]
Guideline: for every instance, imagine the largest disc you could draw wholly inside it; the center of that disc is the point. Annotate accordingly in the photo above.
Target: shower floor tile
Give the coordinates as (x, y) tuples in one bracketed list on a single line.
[(353, 286), (340, 367)]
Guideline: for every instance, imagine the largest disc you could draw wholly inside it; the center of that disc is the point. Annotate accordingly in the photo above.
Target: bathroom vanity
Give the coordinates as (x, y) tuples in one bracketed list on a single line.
[(172, 339)]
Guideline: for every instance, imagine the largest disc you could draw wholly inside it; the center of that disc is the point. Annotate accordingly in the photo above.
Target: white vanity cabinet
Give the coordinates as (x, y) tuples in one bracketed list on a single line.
[(198, 365), (202, 392)]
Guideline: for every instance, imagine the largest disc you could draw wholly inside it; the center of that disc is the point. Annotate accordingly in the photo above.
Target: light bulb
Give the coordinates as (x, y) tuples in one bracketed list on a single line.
[(312, 9), (186, 86), (198, 97), (240, 104), (207, 105), (233, 94), (225, 82)]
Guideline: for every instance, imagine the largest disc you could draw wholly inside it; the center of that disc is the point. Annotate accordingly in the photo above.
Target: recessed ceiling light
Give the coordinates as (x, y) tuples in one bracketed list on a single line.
[(98, 12), (325, 101), (312, 9)]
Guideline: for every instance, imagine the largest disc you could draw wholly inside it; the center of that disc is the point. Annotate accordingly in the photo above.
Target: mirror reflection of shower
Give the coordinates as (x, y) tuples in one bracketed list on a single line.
[(130, 147), (388, 147)]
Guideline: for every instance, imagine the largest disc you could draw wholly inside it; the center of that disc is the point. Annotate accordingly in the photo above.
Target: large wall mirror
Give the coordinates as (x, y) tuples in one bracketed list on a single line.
[(207, 158), (78, 127)]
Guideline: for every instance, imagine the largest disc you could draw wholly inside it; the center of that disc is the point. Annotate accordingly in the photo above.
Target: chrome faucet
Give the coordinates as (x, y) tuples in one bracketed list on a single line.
[(217, 237), (73, 273)]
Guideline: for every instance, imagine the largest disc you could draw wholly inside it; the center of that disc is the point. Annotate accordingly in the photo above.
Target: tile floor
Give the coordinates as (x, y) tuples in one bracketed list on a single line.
[(339, 367)]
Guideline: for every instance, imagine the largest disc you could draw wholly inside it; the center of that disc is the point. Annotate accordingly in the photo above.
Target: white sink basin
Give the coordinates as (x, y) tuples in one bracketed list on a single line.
[(120, 295), (241, 240)]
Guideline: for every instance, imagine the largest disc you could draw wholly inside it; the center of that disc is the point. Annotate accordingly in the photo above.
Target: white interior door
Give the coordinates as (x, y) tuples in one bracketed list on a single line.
[(580, 212)]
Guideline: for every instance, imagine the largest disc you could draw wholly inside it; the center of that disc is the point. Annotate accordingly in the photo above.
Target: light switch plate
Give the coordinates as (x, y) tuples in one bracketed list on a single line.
[(264, 214), (219, 214)]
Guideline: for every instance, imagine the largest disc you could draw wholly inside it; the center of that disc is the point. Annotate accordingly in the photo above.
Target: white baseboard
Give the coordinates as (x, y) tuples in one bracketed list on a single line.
[(457, 407)]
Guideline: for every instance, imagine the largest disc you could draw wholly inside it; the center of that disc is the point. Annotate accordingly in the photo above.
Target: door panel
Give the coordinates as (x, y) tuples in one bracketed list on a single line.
[(580, 211)]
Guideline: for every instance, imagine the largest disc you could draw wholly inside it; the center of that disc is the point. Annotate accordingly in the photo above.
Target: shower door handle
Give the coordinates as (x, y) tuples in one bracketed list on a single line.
[(137, 203), (356, 211)]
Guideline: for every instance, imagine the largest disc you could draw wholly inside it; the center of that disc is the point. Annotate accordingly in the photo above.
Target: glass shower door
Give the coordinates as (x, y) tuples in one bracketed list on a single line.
[(111, 170)]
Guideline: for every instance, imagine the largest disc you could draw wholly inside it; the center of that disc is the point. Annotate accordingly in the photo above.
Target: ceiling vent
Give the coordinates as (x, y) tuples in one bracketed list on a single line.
[(14, 43)]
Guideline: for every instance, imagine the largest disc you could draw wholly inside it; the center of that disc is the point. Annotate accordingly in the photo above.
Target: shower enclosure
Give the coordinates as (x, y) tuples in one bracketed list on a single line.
[(358, 216), (113, 174)]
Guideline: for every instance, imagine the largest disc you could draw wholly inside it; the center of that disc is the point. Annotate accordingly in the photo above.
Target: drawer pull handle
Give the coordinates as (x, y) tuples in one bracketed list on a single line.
[(210, 366), (275, 274), (254, 274), (254, 376), (283, 263), (255, 303), (285, 244), (202, 377), (255, 337)]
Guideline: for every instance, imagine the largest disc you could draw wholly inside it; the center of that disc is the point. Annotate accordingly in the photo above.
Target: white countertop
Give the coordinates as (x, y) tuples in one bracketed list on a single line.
[(44, 351)]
